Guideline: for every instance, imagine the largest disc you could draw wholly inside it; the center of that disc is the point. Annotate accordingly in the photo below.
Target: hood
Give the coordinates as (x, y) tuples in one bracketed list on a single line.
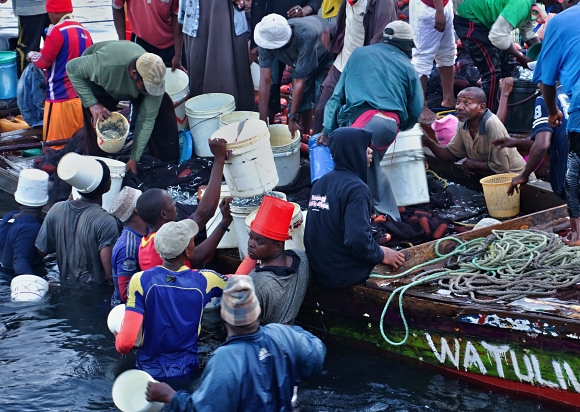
[(348, 147)]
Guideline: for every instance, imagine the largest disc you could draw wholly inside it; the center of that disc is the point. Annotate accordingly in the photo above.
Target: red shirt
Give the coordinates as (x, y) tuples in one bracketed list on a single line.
[(148, 256), (150, 20), (431, 3)]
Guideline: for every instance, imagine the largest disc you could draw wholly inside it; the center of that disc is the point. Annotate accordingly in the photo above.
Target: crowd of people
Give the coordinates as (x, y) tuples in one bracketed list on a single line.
[(358, 82)]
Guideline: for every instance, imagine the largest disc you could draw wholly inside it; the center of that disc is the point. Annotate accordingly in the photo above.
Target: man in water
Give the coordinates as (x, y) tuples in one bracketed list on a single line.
[(255, 368)]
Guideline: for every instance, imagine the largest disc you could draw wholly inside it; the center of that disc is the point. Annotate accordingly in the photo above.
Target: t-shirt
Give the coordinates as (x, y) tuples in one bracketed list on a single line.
[(431, 3), (148, 256), (77, 234), (306, 50), (558, 150), (28, 7), (150, 20), (479, 148), (486, 12), (18, 254), (280, 289), (560, 60), (125, 262), (354, 32), (172, 307)]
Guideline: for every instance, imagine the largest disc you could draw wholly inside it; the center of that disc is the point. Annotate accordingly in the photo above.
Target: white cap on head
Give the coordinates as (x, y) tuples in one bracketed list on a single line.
[(152, 70), (273, 32), (399, 30)]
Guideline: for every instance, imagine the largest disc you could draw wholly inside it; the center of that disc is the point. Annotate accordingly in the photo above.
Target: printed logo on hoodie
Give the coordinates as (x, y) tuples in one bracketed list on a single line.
[(318, 201)]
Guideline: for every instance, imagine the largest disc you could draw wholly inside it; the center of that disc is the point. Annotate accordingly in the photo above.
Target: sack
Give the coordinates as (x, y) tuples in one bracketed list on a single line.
[(10, 124)]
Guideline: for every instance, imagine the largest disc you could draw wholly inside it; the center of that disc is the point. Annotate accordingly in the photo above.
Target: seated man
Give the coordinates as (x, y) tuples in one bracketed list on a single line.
[(80, 231), (281, 277), (478, 127), (126, 250), (257, 366), (167, 303), (18, 230), (340, 248)]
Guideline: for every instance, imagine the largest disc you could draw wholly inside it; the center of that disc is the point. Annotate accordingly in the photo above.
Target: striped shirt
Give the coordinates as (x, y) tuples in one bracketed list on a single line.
[(65, 41)]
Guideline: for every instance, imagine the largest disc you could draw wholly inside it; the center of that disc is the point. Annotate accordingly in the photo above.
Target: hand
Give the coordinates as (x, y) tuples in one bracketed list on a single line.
[(131, 166), (322, 140), (524, 60), (517, 183), (225, 209), (555, 120), (392, 258), (218, 148), (32, 55), (100, 112), (295, 11), (506, 85), (293, 126), (176, 63), (466, 167), (3, 1), (240, 4), (159, 392), (440, 21), (254, 55), (426, 140), (502, 142)]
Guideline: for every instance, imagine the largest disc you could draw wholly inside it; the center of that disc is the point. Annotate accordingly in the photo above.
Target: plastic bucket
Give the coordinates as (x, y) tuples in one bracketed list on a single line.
[(112, 133), (229, 240), (499, 204), (115, 321), (286, 153), (250, 170), (295, 231), (117, 169), (521, 104), (32, 189), (8, 76), (82, 173), (177, 87), (203, 113), (129, 392), (236, 117), (28, 287)]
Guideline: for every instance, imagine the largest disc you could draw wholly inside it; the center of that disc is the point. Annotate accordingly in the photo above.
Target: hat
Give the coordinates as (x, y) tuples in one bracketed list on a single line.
[(240, 306), (124, 203), (32, 189), (174, 237), (273, 218), (59, 6), (152, 69), (399, 30), (84, 173), (272, 32), (445, 128)]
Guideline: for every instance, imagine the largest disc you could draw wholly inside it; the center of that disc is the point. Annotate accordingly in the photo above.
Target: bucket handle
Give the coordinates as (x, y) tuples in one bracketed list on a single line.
[(205, 120), (536, 94)]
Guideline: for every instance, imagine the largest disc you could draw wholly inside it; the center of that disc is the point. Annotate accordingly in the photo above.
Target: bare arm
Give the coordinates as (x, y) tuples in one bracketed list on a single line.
[(177, 42), (264, 92), (106, 254), (297, 94), (506, 86), (440, 152), (208, 246), (120, 23), (554, 114)]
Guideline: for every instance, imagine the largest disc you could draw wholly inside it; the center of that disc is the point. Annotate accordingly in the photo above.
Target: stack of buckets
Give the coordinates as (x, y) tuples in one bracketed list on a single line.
[(203, 114)]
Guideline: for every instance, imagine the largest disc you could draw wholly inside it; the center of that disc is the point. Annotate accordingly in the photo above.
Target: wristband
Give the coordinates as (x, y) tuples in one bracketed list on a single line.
[(222, 227)]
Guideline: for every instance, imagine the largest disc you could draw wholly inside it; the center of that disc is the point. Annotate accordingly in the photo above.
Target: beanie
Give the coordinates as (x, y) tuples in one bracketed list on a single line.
[(240, 306), (59, 6)]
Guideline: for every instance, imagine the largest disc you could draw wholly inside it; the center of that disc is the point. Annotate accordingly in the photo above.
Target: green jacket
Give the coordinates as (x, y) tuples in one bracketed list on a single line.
[(378, 77), (102, 70)]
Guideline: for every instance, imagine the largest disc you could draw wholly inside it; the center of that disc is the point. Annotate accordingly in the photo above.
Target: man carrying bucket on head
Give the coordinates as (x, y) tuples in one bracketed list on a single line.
[(167, 303), (113, 71), (281, 276)]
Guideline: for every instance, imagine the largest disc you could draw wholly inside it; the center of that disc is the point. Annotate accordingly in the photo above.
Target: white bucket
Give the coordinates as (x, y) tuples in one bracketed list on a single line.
[(229, 239), (117, 169), (203, 113), (177, 87), (404, 164), (32, 189), (82, 173), (250, 170), (295, 231), (115, 321), (129, 392), (28, 287), (236, 117), (115, 142), (286, 153), (255, 69)]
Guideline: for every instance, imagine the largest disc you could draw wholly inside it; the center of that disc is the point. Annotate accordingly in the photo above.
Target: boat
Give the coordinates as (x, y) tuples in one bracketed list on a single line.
[(528, 347)]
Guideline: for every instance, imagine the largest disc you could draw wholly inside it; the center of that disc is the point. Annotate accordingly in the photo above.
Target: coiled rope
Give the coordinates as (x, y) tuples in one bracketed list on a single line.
[(507, 265)]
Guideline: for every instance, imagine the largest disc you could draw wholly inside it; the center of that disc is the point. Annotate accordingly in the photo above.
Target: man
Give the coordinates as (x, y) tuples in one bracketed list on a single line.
[(379, 91), (432, 22), (155, 207), (359, 23), (559, 60), (66, 40), (167, 303), (112, 71), (154, 27), (18, 230), (484, 29), (257, 366), (340, 248), (80, 231), (478, 128), (126, 250), (32, 22), (281, 276), (299, 43)]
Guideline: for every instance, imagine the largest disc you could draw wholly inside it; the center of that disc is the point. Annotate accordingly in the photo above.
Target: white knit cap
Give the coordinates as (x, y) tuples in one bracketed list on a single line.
[(124, 203), (273, 32)]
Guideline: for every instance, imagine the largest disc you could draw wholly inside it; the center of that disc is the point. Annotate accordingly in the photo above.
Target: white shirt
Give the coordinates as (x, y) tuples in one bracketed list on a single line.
[(354, 33)]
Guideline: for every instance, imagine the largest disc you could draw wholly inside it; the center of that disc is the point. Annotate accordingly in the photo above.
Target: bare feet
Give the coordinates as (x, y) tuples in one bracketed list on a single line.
[(427, 116), (392, 258), (573, 238), (451, 103)]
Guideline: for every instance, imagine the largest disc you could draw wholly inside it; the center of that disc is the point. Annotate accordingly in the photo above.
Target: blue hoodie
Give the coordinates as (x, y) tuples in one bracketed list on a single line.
[(340, 248)]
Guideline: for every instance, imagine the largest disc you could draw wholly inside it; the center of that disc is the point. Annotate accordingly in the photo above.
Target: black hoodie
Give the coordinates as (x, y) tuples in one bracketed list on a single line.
[(341, 251)]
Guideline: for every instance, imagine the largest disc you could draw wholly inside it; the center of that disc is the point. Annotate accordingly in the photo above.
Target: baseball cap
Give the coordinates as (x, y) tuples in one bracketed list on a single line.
[(152, 70), (399, 30), (272, 32), (174, 237)]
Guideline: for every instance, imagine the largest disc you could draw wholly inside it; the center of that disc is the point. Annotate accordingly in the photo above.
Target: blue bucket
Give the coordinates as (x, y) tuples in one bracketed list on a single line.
[(320, 159), (8, 77)]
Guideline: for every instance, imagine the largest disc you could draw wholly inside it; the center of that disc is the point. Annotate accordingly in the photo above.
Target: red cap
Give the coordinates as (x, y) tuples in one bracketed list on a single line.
[(59, 6), (273, 218)]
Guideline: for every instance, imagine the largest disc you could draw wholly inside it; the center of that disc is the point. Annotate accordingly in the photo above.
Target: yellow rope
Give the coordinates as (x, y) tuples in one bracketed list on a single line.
[(436, 176)]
